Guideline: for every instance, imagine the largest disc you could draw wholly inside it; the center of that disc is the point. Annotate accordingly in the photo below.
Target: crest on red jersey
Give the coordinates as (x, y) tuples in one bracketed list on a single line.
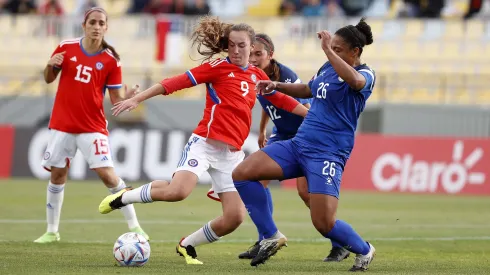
[(254, 78), (99, 66)]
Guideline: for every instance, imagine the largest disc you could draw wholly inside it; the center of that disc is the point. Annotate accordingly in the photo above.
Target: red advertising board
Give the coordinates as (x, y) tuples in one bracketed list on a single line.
[(418, 165), (6, 150)]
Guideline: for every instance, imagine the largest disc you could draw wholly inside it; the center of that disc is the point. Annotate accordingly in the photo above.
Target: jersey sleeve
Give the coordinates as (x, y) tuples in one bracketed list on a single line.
[(114, 79), (370, 80), (58, 49), (205, 73)]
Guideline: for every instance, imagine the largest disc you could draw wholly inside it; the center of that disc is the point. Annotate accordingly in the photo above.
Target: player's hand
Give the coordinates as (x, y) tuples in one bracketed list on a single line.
[(131, 92), (326, 38), (262, 140), (265, 86), (125, 105), (57, 59)]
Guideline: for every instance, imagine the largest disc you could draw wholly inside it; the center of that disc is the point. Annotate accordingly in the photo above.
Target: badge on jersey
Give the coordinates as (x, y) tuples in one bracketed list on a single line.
[(99, 66), (192, 163), (254, 78)]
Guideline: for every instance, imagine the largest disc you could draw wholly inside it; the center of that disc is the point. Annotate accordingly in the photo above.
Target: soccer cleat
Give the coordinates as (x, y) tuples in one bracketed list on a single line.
[(268, 248), (140, 230), (113, 202), (337, 254), (48, 237), (189, 253), (251, 252), (361, 263)]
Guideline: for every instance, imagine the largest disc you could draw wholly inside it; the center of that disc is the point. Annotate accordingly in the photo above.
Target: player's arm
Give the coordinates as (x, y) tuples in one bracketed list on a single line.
[(352, 77), (299, 90), (53, 67), (264, 120)]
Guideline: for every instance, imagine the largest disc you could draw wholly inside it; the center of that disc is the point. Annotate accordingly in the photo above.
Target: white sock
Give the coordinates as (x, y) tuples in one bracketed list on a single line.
[(54, 199), (202, 236), (128, 210), (141, 194)]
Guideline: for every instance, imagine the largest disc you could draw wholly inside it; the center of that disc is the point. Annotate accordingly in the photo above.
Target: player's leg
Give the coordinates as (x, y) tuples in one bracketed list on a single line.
[(276, 161), (60, 150), (337, 253), (95, 148), (192, 165), (324, 179), (233, 208)]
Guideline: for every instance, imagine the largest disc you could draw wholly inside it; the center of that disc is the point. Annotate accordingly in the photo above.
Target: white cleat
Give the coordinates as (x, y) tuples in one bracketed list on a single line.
[(361, 262)]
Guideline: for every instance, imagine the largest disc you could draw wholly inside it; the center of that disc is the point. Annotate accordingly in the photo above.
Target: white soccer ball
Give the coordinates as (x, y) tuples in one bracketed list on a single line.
[(131, 249)]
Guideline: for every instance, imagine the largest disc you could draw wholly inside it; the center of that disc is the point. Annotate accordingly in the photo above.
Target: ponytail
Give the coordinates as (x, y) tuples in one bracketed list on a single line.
[(106, 45), (273, 71)]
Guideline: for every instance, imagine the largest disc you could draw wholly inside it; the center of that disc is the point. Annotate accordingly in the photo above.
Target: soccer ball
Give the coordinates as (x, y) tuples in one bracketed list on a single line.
[(131, 249)]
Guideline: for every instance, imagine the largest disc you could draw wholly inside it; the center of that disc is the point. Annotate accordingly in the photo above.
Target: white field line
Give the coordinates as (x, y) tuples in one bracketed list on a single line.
[(280, 224), (292, 240)]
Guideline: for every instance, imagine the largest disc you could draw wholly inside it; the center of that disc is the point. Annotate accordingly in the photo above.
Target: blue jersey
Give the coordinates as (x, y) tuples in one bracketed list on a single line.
[(329, 128), (285, 124)]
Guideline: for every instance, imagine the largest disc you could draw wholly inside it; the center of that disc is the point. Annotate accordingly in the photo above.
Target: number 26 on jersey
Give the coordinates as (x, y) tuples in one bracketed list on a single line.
[(321, 92)]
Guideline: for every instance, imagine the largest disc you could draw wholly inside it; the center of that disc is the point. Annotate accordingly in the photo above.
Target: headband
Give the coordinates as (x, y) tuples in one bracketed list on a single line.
[(87, 13), (265, 42)]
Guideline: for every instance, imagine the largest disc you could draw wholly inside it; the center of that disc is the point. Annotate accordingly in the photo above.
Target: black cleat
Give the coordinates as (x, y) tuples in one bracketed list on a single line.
[(337, 254), (267, 249), (251, 252)]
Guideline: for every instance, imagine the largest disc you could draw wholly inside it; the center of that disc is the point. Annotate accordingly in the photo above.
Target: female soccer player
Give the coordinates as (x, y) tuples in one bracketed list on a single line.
[(215, 145), (88, 66), (320, 148), (285, 127)]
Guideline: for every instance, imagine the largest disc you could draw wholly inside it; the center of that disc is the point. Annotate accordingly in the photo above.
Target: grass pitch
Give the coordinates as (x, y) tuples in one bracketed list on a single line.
[(413, 234)]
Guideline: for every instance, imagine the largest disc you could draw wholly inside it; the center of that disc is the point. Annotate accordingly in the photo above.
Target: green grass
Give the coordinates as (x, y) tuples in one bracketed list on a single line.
[(413, 234)]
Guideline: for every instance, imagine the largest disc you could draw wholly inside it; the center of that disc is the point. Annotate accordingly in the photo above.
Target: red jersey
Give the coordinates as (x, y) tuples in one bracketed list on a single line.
[(78, 106), (229, 100)]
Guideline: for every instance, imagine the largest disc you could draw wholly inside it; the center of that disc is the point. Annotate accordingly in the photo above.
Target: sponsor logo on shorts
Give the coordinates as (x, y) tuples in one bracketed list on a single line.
[(47, 155), (104, 158), (192, 162)]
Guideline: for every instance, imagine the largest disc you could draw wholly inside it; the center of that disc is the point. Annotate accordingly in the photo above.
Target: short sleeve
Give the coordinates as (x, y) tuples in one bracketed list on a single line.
[(56, 51), (370, 80), (114, 79), (205, 73), (304, 100)]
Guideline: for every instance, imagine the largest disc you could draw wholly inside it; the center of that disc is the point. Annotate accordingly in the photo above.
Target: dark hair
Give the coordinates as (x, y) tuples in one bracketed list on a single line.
[(211, 35), (357, 36), (105, 45), (272, 70)]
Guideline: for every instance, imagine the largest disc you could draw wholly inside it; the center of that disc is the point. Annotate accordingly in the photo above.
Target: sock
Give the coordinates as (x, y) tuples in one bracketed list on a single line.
[(128, 210), (202, 236), (271, 207), (335, 244), (254, 197), (344, 234), (141, 194), (55, 195)]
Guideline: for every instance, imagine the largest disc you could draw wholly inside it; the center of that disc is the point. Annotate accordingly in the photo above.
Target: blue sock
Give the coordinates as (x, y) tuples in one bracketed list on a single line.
[(271, 207), (254, 197), (343, 234), (335, 244)]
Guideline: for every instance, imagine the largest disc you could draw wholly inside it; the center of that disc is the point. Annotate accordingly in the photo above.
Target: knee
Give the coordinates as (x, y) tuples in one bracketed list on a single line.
[(108, 177), (240, 173), (234, 220), (59, 176), (324, 225)]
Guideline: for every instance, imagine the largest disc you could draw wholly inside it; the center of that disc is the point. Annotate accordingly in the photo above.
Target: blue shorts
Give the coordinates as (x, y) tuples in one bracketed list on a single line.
[(277, 137), (322, 174)]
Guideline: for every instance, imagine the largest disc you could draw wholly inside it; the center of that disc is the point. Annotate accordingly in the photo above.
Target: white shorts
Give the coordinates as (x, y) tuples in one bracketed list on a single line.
[(62, 148), (199, 156)]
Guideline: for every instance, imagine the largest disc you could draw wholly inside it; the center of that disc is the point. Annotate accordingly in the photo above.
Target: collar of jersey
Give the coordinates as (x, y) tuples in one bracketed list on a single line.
[(85, 52), (243, 68)]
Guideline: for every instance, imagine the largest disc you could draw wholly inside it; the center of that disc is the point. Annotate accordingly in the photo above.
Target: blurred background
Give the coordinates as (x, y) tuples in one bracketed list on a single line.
[(431, 59)]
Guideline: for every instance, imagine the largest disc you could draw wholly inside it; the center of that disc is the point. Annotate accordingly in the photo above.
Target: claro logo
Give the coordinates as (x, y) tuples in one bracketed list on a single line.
[(392, 171)]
